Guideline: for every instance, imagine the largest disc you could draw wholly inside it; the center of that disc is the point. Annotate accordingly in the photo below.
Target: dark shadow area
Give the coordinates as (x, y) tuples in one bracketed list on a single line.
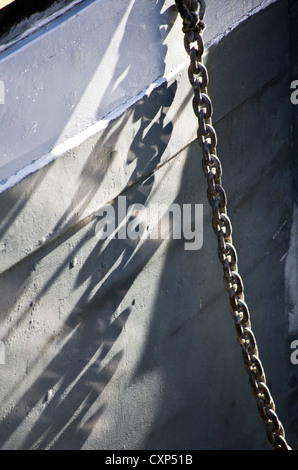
[(206, 402), (292, 393), (293, 18)]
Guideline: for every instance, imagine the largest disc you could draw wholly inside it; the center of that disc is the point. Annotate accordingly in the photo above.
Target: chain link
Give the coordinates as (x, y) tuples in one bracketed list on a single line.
[(192, 13)]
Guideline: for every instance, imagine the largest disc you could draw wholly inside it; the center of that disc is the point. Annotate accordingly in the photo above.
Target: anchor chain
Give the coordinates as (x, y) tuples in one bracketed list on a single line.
[(192, 13)]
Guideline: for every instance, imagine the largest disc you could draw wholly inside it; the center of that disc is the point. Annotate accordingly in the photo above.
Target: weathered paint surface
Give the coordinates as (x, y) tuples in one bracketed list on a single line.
[(75, 71), (129, 344), (291, 274)]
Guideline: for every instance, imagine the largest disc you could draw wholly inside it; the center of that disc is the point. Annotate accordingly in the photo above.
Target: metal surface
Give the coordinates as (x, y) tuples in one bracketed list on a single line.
[(192, 13)]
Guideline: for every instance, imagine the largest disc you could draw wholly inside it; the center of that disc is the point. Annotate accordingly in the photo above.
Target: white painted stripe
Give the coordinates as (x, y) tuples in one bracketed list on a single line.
[(81, 137)]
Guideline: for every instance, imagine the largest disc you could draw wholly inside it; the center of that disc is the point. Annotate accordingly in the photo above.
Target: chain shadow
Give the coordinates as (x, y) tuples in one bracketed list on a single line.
[(98, 164), (76, 377), (146, 154), (62, 395)]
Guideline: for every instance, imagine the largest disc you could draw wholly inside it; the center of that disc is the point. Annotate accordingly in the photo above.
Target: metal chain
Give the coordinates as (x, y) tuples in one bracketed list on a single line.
[(192, 13)]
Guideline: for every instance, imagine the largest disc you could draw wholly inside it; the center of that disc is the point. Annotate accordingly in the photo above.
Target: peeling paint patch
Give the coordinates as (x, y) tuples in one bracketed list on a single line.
[(291, 277)]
